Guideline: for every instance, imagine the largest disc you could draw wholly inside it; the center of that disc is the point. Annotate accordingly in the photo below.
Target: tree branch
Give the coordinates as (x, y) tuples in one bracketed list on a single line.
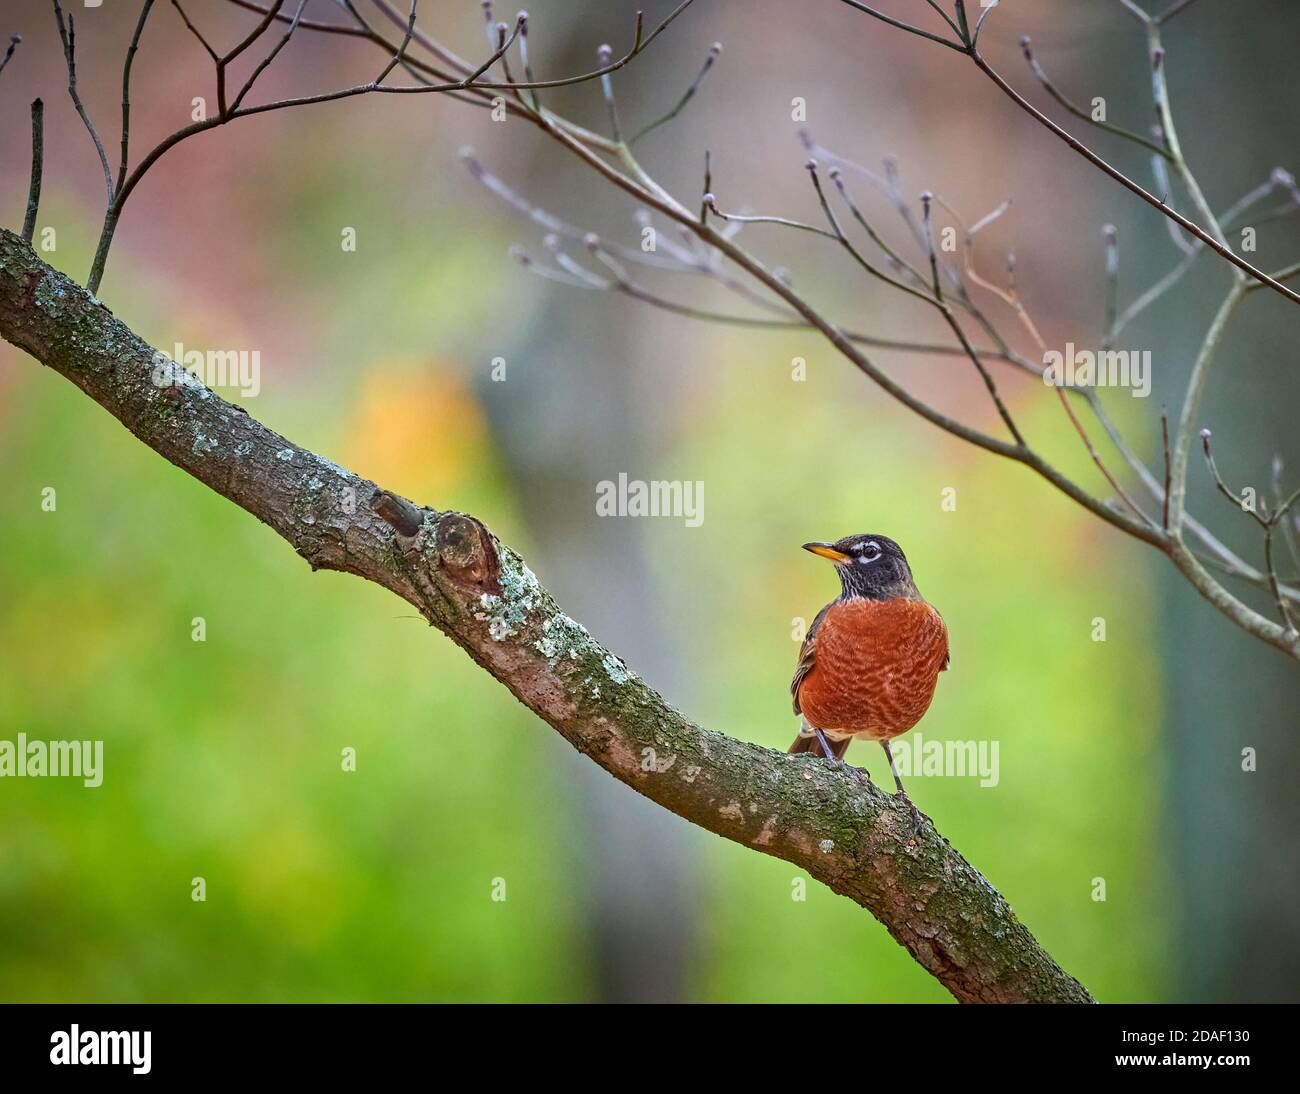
[(14, 41), (1220, 248), (38, 169), (1209, 238), (68, 35), (855, 839), (631, 177)]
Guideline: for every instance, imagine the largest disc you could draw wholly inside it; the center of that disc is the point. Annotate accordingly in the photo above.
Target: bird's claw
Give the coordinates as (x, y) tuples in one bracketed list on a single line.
[(860, 773), (917, 816)]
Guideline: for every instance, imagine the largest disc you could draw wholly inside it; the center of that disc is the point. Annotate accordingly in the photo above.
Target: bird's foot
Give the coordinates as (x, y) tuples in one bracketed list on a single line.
[(917, 816), (859, 773)]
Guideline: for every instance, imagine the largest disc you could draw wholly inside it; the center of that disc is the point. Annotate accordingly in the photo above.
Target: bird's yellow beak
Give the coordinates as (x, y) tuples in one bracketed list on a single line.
[(826, 551)]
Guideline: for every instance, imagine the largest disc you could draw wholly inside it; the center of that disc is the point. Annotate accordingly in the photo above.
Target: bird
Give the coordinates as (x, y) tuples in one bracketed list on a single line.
[(870, 662)]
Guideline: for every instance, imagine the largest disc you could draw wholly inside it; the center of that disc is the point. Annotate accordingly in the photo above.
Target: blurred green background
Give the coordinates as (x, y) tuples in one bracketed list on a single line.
[(222, 757)]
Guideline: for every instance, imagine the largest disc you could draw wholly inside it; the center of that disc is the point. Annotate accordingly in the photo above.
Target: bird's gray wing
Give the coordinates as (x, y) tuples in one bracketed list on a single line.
[(807, 654)]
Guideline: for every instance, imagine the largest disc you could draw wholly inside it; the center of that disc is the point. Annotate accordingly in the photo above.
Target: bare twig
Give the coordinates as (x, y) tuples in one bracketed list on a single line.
[(711, 203), (1160, 172), (524, 60), (709, 247), (68, 34), (1278, 180), (1159, 65), (1026, 47), (284, 41), (937, 300), (987, 10), (1220, 248), (223, 62), (1172, 10), (38, 161), (1100, 464), (1283, 518), (194, 30), (1266, 520), (896, 261), (714, 51), (466, 81), (1286, 273), (603, 56), (838, 233), (629, 176), (1209, 237), (1138, 13), (935, 282), (126, 88), (958, 46), (1164, 437), (1112, 283), (836, 336), (1011, 297), (14, 41), (945, 17), (505, 39), (1191, 405), (1222, 486), (640, 43)]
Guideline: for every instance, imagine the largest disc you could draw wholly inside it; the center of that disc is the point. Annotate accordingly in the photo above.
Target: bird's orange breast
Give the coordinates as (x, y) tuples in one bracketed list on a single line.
[(875, 667)]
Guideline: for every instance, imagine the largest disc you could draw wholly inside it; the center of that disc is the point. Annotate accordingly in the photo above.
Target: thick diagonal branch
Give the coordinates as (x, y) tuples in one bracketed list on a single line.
[(479, 593)]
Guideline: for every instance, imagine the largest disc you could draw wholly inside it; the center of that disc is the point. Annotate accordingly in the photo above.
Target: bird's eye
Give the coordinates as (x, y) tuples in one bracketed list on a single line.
[(869, 551)]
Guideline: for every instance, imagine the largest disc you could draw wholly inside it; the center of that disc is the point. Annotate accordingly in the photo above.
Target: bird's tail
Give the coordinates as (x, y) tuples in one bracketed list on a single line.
[(810, 743)]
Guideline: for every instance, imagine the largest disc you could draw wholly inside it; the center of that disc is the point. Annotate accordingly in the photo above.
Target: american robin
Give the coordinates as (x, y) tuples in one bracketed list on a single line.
[(872, 657)]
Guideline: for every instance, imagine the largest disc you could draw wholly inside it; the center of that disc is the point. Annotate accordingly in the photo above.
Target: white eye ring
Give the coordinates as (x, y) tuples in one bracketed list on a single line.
[(875, 551)]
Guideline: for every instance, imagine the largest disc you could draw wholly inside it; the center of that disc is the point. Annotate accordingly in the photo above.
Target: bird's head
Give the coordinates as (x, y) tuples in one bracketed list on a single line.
[(870, 566)]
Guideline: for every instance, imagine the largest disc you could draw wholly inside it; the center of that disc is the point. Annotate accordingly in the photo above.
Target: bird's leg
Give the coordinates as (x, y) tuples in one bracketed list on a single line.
[(838, 761), (917, 815), (826, 748)]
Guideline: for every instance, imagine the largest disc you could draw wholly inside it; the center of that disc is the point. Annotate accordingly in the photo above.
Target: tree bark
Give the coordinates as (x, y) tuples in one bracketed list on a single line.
[(854, 838)]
